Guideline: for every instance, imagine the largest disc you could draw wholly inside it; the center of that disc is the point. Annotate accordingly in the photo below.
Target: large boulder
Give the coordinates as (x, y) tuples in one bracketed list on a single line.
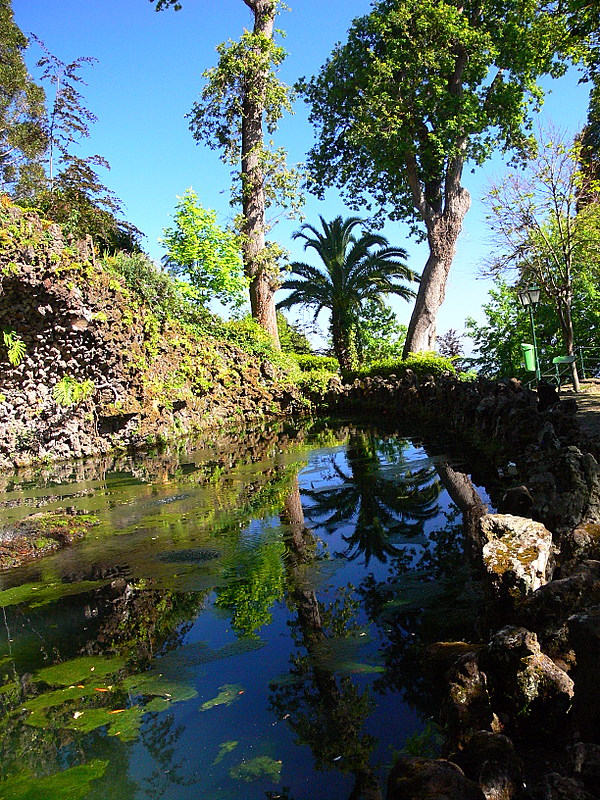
[(517, 554), (490, 760), (414, 778), (467, 707), (584, 636), (529, 688), (547, 610)]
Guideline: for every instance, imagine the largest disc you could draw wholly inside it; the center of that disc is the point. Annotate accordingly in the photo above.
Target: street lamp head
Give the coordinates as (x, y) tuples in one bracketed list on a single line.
[(529, 296)]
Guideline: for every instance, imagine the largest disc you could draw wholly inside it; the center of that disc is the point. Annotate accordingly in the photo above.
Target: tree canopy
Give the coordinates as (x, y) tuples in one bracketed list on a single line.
[(420, 88)]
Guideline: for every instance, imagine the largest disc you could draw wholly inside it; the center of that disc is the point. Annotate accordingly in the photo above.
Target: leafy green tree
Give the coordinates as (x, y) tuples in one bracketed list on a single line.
[(541, 231), (22, 134), (420, 88), (291, 338), (354, 270), (210, 255), (379, 335), (497, 342), (242, 96)]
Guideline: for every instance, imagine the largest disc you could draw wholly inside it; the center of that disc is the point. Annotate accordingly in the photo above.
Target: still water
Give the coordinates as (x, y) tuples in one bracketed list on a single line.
[(247, 619)]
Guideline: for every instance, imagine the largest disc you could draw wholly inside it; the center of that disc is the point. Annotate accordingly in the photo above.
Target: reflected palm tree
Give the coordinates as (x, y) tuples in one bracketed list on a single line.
[(382, 495)]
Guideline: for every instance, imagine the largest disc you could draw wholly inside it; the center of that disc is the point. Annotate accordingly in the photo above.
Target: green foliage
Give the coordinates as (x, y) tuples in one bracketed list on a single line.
[(379, 335), (73, 204), (71, 193), (208, 254), (217, 119), (71, 392), (421, 88), (158, 290), (426, 743), (15, 346), (422, 364), (248, 335), (314, 382), (23, 138), (290, 338), (380, 133), (241, 94), (353, 271), (497, 342), (310, 363), (255, 583)]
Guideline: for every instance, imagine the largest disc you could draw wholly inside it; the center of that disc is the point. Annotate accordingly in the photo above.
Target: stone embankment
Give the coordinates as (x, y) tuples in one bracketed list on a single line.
[(522, 710), (146, 378)]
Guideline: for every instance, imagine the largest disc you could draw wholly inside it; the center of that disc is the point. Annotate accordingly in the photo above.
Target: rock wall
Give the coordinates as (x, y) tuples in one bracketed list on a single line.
[(150, 380), (521, 715)]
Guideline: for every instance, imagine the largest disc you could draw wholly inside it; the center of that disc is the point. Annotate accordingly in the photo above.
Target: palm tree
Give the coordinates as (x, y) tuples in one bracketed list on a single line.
[(354, 270)]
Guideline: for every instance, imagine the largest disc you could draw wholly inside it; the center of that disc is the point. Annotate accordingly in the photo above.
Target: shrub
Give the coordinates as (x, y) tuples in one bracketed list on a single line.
[(315, 381), (421, 364), (152, 286), (312, 362), (249, 336)]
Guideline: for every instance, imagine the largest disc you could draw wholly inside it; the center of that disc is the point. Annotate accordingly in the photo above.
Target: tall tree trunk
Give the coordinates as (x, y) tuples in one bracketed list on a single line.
[(342, 346), (568, 335), (442, 233), (263, 285)]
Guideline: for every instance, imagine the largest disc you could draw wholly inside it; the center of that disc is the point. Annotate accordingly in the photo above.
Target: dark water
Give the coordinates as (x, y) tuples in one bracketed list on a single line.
[(246, 620)]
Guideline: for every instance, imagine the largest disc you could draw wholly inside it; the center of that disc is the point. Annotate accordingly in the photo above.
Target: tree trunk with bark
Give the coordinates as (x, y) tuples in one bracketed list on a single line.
[(568, 335), (442, 234), (342, 346), (263, 285)]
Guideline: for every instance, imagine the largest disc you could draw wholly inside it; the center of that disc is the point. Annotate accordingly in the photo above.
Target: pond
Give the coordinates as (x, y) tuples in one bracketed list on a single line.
[(246, 619)]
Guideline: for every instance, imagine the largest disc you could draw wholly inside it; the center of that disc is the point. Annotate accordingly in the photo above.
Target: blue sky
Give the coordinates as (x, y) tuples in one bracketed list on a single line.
[(149, 75)]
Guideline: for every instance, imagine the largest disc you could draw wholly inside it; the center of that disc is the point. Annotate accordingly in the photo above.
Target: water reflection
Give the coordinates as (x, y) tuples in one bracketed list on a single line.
[(378, 495), (326, 711), (252, 611)]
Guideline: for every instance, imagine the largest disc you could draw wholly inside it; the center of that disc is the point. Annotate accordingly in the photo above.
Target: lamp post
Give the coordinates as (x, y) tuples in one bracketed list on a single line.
[(529, 298)]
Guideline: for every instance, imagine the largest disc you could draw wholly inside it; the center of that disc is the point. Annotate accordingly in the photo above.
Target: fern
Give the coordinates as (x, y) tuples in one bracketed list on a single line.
[(15, 346), (71, 392)]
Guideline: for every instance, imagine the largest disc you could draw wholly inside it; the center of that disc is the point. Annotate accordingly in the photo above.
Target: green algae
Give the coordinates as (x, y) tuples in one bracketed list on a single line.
[(79, 670), (35, 595), (256, 769), (124, 723), (73, 783), (224, 749), (228, 694), (160, 687)]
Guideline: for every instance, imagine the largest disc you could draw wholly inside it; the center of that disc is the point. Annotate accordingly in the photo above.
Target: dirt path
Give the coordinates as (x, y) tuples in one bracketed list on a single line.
[(588, 405)]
